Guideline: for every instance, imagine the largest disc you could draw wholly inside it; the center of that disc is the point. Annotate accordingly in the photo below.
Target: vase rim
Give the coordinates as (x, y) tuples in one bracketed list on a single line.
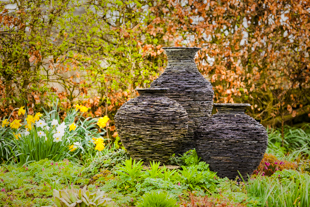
[(152, 90), (181, 48), (231, 104)]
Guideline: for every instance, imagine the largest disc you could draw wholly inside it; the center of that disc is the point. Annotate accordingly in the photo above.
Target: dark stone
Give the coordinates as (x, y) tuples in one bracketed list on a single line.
[(231, 141), (188, 87), (151, 126)]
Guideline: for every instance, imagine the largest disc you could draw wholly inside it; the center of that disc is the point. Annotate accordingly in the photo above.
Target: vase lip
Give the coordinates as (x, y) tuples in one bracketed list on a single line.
[(152, 90), (231, 105), (181, 48)]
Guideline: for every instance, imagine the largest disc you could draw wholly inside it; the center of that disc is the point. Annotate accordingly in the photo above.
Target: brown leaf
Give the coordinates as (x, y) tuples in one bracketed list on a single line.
[(115, 134), (32, 58), (112, 128), (289, 108)]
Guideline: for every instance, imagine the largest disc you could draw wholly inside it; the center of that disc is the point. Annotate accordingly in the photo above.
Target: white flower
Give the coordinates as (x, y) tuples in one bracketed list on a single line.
[(57, 139), (40, 123), (45, 138), (59, 133), (26, 133), (54, 122), (61, 127), (41, 134), (47, 127)]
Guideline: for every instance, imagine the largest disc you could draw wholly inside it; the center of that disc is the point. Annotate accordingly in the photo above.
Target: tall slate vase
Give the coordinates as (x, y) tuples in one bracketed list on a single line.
[(151, 126), (231, 141), (188, 87)]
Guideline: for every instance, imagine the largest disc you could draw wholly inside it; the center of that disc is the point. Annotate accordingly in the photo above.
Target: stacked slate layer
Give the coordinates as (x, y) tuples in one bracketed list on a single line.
[(151, 126), (188, 87), (231, 141)]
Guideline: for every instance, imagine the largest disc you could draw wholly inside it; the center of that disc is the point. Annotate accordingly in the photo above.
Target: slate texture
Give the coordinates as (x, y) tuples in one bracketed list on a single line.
[(151, 126), (231, 141), (188, 87)]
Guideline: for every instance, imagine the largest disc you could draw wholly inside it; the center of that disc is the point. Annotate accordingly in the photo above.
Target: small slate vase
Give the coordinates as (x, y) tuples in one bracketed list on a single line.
[(151, 126), (231, 141), (188, 87)]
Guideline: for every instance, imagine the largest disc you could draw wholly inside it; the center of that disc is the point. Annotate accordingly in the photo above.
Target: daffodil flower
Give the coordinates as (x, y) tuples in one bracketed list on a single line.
[(21, 111)]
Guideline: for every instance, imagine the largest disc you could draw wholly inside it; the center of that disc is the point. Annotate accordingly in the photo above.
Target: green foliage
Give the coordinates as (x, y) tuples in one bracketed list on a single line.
[(33, 184), (109, 159), (7, 145), (285, 188), (130, 173), (149, 184), (132, 179), (188, 158), (157, 199), (199, 177), (294, 145), (79, 197)]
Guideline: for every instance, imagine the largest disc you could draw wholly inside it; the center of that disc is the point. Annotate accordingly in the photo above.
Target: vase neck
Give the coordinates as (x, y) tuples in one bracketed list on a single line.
[(181, 58), (228, 108), (152, 91), (181, 53)]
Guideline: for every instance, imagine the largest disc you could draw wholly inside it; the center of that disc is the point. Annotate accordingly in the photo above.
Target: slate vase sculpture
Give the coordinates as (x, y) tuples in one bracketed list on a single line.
[(231, 141), (188, 87), (151, 126)]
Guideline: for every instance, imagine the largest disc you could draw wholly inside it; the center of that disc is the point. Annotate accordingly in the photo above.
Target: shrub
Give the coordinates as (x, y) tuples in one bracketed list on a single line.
[(270, 164), (157, 199)]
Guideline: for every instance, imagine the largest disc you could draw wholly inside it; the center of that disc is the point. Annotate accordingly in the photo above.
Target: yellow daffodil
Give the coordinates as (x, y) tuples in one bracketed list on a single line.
[(17, 136), (77, 107), (5, 122), (99, 147), (37, 116), (83, 109), (15, 124), (72, 148), (102, 122), (72, 127), (94, 139), (21, 111), (28, 126), (30, 119), (99, 144)]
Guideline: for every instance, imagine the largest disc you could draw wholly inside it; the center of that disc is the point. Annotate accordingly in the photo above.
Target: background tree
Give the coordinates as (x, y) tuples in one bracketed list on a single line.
[(254, 51)]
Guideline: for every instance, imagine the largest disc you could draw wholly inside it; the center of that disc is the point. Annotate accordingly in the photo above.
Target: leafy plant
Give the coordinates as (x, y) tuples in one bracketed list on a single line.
[(79, 197), (131, 172), (7, 145), (154, 171), (109, 158), (157, 199), (188, 158), (199, 176)]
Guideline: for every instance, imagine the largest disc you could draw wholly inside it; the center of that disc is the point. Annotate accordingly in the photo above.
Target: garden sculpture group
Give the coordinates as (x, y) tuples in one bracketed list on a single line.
[(174, 115)]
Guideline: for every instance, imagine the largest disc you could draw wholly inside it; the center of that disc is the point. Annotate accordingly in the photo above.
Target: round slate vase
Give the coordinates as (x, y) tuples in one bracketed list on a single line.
[(151, 126), (231, 141), (188, 87)]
